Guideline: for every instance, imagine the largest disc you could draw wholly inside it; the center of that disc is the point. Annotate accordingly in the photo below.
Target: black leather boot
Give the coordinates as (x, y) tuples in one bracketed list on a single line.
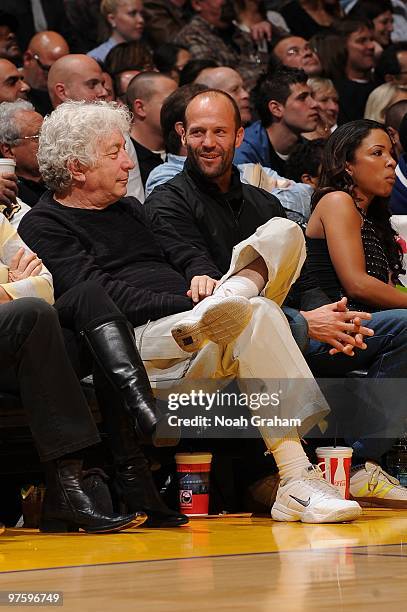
[(67, 507), (114, 348), (135, 488)]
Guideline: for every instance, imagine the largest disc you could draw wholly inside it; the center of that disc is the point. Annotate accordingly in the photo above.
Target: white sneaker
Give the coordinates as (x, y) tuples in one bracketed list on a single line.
[(219, 319), (372, 486), (311, 499)]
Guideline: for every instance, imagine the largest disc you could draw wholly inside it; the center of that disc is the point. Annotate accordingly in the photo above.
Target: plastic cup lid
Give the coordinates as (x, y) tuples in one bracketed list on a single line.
[(334, 451)]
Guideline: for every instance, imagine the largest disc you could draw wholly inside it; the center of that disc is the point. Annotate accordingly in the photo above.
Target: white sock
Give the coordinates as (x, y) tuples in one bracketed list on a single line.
[(289, 456), (238, 286)]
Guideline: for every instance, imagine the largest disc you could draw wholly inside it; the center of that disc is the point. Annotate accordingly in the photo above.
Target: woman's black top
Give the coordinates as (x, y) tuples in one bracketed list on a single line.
[(300, 22), (321, 267)]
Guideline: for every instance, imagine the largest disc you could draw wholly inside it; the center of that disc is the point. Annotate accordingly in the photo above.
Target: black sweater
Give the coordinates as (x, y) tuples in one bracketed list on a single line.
[(144, 266), (212, 221)]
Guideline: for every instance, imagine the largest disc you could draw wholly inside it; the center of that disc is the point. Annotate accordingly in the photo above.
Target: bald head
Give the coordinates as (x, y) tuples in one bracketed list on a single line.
[(44, 49), (75, 77), (12, 85), (145, 96), (231, 82), (146, 84), (211, 102)]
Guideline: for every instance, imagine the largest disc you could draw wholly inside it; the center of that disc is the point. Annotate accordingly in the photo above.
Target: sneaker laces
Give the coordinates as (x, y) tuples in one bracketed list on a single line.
[(315, 477), (375, 475)]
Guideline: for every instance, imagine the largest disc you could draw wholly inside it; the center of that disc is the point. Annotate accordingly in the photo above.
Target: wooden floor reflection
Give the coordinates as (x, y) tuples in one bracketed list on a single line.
[(219, 564)]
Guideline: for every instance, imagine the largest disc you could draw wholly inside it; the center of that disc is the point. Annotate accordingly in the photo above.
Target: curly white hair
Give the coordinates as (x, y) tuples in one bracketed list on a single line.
[(74, 131)]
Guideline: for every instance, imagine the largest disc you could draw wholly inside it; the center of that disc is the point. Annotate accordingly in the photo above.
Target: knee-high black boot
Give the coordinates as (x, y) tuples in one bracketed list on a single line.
[(114, 348), (67, 507)]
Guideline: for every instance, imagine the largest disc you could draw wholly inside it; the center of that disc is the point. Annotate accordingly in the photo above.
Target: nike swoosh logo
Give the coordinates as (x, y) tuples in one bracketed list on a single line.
[(301, 501)]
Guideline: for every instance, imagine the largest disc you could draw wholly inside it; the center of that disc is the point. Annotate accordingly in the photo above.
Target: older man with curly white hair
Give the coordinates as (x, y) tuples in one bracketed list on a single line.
[(188, 325)]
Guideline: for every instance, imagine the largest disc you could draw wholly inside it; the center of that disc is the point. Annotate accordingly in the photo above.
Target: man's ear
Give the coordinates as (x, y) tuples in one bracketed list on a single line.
[(276, 108), (239, 137), (76, 169), (5, 151), (27, 57), (138, 109), (179, 128), (60, 91)]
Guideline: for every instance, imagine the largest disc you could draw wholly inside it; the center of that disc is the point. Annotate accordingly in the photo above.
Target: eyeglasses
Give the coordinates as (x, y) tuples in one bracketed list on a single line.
[(300, 51), (43, 67), (34, 137)]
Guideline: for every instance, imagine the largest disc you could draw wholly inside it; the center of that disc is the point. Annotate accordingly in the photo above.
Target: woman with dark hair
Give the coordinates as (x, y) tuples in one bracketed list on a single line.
[(170, 59), (354, 252), (352, 247)]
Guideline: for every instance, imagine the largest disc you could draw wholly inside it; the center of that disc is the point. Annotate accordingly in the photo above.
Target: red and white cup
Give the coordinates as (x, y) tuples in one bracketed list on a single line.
[(335, 463), (193, 471)]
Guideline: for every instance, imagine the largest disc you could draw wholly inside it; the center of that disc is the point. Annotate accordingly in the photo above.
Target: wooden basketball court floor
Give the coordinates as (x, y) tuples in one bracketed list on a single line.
[(218, 564)]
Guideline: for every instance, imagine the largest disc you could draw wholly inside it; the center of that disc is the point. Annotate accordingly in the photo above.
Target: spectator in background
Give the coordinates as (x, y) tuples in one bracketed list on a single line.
[(75, 77), (12, 88), (145, 96), (325, 94), (20, 126), (286, 109), (398, 200), (170, 59), (125, 19), (43, 50), (193, 68), (308, 17), (125, 61), (392, 65), (380, 13), (164, 19), (212, 34), (12, 84), (381, 98), (37, 16), (9, 47), (304, 164), (357, 58), (392, 120), (294, 52), (251, 17), (228, 80)]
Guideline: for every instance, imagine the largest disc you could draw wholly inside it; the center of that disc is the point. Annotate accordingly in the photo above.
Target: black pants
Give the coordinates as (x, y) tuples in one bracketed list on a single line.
[(43, 363)]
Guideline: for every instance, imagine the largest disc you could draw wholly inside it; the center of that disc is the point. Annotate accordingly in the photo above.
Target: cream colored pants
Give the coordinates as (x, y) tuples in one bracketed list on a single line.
[(265, 357)]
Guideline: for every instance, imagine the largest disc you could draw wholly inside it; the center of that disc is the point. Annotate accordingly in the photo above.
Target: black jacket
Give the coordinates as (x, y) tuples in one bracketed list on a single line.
[(209, 220), (215, 222)]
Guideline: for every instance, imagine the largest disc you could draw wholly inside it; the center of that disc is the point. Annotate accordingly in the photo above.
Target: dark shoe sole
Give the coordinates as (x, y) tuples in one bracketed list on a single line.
[(59, 526)]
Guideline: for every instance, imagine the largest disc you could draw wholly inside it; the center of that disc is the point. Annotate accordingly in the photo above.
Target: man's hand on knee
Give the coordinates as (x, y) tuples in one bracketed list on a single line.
[(334, 324), (201, 287)]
